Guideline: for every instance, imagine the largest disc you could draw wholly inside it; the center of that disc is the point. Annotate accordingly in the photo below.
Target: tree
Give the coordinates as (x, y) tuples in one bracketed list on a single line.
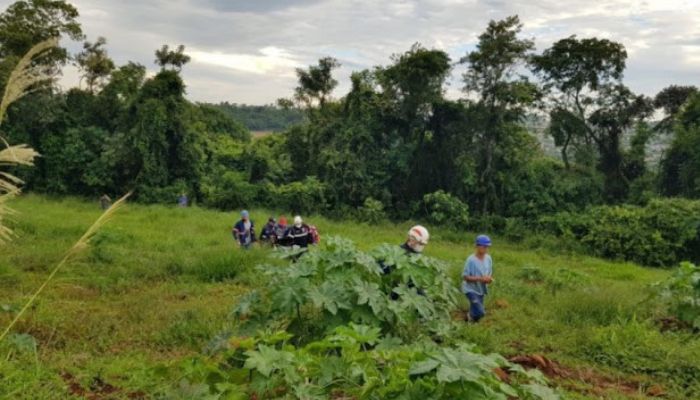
[(316, 83), (94, 63), (573, 70), (25, 23), (502, 99), (671, 99), (680, 166), (176, 59), (590, 107), (412, 89)]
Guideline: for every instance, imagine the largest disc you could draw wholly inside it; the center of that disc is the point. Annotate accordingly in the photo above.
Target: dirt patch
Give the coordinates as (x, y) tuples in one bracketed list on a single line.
[(98, 389), (595, 382), (672, 324), (501, 303)]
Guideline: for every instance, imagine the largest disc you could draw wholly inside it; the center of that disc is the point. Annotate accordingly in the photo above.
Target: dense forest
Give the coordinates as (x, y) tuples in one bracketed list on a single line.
[(392, 147)]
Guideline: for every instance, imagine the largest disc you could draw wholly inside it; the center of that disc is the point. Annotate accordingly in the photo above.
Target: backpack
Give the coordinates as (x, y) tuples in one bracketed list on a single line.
[(315, 237)]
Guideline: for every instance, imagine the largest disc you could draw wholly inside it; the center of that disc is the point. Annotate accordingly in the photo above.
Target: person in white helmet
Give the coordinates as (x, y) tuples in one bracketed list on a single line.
[(417, 239), (299, 234), (415, 243)]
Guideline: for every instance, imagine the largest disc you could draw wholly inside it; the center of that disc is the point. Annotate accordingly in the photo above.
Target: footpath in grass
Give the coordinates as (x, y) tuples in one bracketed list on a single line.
[(159, 282)]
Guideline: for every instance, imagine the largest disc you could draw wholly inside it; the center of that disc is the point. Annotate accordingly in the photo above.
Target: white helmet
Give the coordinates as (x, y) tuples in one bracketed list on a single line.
[(420, 235), (298, 221)]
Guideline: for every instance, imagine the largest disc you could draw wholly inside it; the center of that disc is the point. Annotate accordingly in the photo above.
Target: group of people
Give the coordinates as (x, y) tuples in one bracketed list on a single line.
[(476, 276), (275, 232), (477, 273)]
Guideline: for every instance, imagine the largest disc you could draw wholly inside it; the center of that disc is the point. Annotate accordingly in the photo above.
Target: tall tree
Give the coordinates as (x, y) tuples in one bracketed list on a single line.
[(573, 70), (28, 22), (316, 83), (670, 100), (175, 59), (312, 93), (502, 99), (94, 63), (679, 174), (412, 88), (590, 107)]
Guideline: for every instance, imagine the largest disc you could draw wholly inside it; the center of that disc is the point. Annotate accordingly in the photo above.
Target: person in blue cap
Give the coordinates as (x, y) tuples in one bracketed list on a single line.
[(477, 275), (244, 231)]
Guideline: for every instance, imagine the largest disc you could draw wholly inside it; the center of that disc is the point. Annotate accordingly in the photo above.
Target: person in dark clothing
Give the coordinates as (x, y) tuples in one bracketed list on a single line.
[(299, 234), (267, 234), (280, 230)]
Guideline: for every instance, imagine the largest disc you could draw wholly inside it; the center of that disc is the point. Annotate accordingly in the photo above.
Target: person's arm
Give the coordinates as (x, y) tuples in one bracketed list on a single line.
[(236, 234)]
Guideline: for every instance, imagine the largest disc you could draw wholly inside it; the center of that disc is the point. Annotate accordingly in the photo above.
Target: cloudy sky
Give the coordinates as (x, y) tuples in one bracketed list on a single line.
[(246, 51)]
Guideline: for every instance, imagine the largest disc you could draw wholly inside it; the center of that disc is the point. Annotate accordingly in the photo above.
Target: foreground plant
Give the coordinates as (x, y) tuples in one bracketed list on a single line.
[(681, 294), (357, 362), (333, 326), (26, 76), (341, 284)]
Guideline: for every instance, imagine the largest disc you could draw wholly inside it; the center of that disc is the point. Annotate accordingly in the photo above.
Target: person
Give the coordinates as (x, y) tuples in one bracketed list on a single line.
[(182, 201), (105, 202), (244, 231), (417, 239), (477, 275), (268, 235), (299, 234), (281, 229)]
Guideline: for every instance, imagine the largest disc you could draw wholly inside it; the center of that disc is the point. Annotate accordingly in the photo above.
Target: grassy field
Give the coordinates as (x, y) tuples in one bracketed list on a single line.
[(159, 282)]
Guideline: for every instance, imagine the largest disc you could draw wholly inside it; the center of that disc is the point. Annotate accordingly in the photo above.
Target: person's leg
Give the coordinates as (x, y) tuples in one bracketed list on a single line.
[(476, 306)]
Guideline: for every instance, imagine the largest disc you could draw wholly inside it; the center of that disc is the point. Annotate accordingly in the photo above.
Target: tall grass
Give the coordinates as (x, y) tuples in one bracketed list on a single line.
[(79, 246)]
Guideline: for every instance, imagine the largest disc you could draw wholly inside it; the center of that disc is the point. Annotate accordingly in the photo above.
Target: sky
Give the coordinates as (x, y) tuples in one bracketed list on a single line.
[(247, 51)]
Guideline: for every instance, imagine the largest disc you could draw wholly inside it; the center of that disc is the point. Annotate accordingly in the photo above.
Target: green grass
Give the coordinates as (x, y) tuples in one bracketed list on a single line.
[(159, 282)]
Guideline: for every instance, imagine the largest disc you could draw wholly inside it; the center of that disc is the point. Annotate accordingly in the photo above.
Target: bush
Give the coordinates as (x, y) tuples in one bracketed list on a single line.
[(163, 195), (445, 209), (663, 232), (229, 190), (546, 186), (307, 196), (681, 294), (372, 211)]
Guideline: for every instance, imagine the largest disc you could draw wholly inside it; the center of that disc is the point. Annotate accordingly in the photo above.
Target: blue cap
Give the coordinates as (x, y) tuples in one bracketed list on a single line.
[(483, 240), (244, 214)]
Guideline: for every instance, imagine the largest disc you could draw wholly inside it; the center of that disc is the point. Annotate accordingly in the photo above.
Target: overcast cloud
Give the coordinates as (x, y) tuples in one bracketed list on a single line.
[(246, 51)]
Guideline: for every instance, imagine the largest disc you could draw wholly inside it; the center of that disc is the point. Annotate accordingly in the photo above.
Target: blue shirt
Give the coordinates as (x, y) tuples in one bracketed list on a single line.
[(475, 267)]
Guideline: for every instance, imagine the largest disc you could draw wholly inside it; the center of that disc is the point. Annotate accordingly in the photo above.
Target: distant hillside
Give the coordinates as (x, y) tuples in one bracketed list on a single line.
[(261, 118)]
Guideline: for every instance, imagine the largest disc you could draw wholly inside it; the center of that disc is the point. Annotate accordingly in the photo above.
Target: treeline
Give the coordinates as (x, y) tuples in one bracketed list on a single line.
[(392, 147), (262, 118)]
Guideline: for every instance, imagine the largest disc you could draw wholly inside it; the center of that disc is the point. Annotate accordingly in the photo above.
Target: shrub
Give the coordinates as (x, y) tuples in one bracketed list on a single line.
[(300, 197), (372, 211), (164, 195), (230, 190), (681, 294), (445, 209), (663, 232), (329, 288)]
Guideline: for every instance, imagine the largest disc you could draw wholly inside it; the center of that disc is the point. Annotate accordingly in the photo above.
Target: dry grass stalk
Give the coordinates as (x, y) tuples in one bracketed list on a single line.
[(25, 77)]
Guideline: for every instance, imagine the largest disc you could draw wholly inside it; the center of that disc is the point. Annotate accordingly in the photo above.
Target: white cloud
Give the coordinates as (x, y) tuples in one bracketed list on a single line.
[(271, 59), (247, 51)]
